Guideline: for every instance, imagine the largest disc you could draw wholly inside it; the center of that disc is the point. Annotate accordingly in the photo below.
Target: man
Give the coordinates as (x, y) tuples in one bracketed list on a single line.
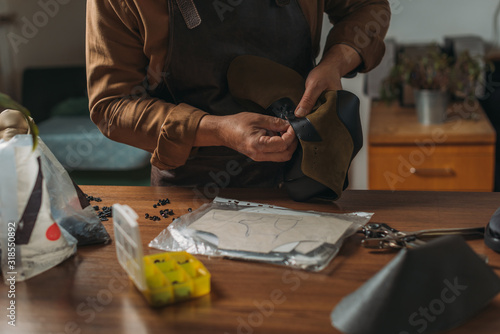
[(157, 77)]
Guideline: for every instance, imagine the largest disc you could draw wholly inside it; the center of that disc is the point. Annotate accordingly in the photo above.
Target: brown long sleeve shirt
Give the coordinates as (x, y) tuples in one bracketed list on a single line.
[(127, 45)]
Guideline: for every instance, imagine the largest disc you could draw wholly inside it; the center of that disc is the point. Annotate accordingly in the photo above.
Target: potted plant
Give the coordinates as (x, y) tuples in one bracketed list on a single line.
[(434, 77), (467, 71)]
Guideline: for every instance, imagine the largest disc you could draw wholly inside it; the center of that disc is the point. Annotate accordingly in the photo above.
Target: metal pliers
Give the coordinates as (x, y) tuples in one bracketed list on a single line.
[(382, 236)]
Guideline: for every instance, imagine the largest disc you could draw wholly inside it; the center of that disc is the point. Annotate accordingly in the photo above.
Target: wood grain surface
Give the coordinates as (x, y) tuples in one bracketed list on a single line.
[(90, 293), (458, 155), (447, 168)]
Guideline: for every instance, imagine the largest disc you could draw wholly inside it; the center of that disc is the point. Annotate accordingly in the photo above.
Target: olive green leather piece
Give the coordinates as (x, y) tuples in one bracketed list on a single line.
[(257, 82), (328, 161), (263, 81)]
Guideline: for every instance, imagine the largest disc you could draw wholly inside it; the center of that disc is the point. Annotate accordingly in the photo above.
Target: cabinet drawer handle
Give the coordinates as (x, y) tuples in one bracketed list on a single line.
[(433, 171)]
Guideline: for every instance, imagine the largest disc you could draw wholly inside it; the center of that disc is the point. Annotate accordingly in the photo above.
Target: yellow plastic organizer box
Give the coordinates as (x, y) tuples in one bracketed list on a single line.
[(173, 277), (162, 278)]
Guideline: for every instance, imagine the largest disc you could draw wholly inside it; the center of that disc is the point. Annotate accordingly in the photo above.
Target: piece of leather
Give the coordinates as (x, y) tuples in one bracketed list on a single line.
[(328, 161), (319, 167), (261, 81), (348, 111), (189, 13), (285, 109), (428, 289)]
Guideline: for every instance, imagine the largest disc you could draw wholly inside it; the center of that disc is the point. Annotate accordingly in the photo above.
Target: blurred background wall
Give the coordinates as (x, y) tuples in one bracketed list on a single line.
[(52, 33), (46, 33)]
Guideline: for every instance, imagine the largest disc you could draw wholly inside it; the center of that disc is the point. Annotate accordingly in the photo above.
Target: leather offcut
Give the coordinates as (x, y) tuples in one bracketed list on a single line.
[(260, 82), (284, 109), (325, 161), (319, 167)]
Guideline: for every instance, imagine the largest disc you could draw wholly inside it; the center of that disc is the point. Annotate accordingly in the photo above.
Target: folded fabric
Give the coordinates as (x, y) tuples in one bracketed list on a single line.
[(428, 289)]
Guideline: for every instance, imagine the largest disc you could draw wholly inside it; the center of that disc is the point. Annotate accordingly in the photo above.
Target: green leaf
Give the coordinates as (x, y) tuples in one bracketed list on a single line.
[(7, 103)]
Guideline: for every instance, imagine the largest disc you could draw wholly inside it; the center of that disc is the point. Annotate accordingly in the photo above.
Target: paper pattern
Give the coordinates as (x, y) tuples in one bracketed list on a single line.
[(263, 232)]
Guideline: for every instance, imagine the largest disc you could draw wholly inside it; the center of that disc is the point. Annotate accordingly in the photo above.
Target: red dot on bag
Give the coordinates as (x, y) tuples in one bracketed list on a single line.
[(53, 232)]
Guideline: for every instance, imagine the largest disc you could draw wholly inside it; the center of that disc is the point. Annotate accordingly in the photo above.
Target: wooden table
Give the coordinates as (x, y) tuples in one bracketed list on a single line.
[(90, 293), (457, 155)]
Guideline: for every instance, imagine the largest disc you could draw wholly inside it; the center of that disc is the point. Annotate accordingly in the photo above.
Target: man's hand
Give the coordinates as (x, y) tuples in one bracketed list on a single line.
[(260, 137), (12, 122), (337, 62)]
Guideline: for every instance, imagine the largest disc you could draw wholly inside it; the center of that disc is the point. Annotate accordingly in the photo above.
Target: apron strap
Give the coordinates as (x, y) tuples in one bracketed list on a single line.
[(189, 13)]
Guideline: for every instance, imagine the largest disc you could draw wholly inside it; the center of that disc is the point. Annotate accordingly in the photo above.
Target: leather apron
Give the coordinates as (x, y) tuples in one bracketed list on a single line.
[(196, 70)]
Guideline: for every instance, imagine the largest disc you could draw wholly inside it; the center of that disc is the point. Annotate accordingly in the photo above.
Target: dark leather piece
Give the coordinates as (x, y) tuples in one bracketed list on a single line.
[(346, 104), (329, 137), (299, 186), (304, 129), (285, 108), (428, 289), (304, 188), (348, 111), (189, 13)]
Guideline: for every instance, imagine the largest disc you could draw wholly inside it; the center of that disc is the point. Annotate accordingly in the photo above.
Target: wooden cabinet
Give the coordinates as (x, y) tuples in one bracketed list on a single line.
[(458, 155)]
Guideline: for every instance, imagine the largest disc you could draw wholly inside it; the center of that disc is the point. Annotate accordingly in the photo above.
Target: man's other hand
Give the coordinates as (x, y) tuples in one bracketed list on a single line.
[(260, 137), (337, 62)]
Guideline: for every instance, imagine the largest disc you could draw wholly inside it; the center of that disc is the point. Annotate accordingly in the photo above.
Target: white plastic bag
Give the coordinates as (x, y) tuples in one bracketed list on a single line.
[(30, 239), (69, 206)]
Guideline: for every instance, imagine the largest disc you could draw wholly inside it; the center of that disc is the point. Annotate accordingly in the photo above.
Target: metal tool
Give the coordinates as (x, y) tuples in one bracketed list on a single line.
[(382, 236)]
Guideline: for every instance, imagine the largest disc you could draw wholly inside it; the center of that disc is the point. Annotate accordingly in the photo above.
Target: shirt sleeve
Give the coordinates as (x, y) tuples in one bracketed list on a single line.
[(361, 24), (119, 92)]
